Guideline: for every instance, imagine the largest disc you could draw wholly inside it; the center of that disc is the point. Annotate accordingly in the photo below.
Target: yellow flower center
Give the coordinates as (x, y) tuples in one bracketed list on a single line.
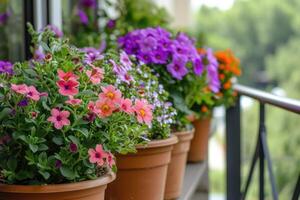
[(105, 107), (110, 95), (142, 112)]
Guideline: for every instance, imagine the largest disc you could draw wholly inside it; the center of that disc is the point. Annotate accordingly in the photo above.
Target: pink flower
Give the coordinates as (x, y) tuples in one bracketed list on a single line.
[(97, 155), (73, 101), (126, 106), (111, 93), (21, 89), (143, 111), (32, 93), (104, 108), (110, 159), (68, 88), (43, 94), (59, 118), (95, 75), (66, 75), (91, 106)]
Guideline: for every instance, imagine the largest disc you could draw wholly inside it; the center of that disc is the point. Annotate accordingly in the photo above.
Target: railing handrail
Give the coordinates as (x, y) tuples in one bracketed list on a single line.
[(265, 97)]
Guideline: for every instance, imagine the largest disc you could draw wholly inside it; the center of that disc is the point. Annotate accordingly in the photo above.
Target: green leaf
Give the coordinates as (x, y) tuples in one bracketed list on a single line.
[(30, 72), (83, 131), (45, 106), (57, 140), (43, 147), (5, 112), (46, 175), (67, 172), (33, 147), (45, 46), (12, 164), (74, 139)]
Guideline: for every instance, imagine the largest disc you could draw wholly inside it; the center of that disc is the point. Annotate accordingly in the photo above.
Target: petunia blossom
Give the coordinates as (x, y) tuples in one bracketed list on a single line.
[(177, 68), (83, 17), (21, 89), (126, 106), (67, 88), (59, 118), (95, 75), (32, 93), (143, 111), (110, 159), (97, 155), (111, 93), (66, 75), (73, 101), (104, 108)]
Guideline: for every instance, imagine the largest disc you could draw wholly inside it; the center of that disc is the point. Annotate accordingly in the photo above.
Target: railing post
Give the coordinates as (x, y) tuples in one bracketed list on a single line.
[(261, 152), (28, 17), (233, 151)]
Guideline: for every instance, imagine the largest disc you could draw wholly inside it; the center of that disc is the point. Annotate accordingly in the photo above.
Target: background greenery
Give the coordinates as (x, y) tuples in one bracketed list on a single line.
[(265, 35)]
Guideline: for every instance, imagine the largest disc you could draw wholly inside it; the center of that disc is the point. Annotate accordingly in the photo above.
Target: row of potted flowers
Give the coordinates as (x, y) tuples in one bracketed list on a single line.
[(70, 117)]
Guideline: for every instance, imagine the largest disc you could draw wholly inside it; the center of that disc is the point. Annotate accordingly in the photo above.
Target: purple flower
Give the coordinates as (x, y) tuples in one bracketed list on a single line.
[(88, 3), (83, 17), (177, 68), (4, 17), (155, 46), (38, 55), (6, 67), (211, 64), (23, 103), (91, 55), (73, 147), (125, 60), (58, 164), (111, 24), (198, 66), (58, 33)]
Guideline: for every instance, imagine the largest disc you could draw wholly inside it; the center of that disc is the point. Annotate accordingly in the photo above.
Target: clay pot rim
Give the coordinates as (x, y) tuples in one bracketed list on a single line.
[(159, 143), (184, 132), (55, 188)]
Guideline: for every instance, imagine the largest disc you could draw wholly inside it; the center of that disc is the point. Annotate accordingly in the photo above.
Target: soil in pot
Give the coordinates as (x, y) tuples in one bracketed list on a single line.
[(85, 190), (199, 144), (177, 165), (142, 176)]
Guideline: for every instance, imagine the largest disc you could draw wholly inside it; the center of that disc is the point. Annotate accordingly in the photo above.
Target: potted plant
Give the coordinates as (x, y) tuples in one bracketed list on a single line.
[(228, 70), (179, 67), (144, 171), (202, 110), (62, 119)]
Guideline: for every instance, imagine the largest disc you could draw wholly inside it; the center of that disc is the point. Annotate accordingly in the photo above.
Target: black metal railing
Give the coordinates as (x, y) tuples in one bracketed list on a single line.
[(261, 153)]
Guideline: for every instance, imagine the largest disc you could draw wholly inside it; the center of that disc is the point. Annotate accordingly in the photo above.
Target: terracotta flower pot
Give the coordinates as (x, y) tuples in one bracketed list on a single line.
[(177, 165), (85, 190), (142, 176), (199, 144)]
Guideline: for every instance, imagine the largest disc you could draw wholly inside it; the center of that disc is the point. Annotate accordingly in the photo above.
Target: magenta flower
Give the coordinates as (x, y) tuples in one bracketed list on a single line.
[(97, 155), (58, 164), (111, 24), (32, 93), (73, 147), (59, 118), (67, 88), (83, 17), (143, 111), (4, 17)]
